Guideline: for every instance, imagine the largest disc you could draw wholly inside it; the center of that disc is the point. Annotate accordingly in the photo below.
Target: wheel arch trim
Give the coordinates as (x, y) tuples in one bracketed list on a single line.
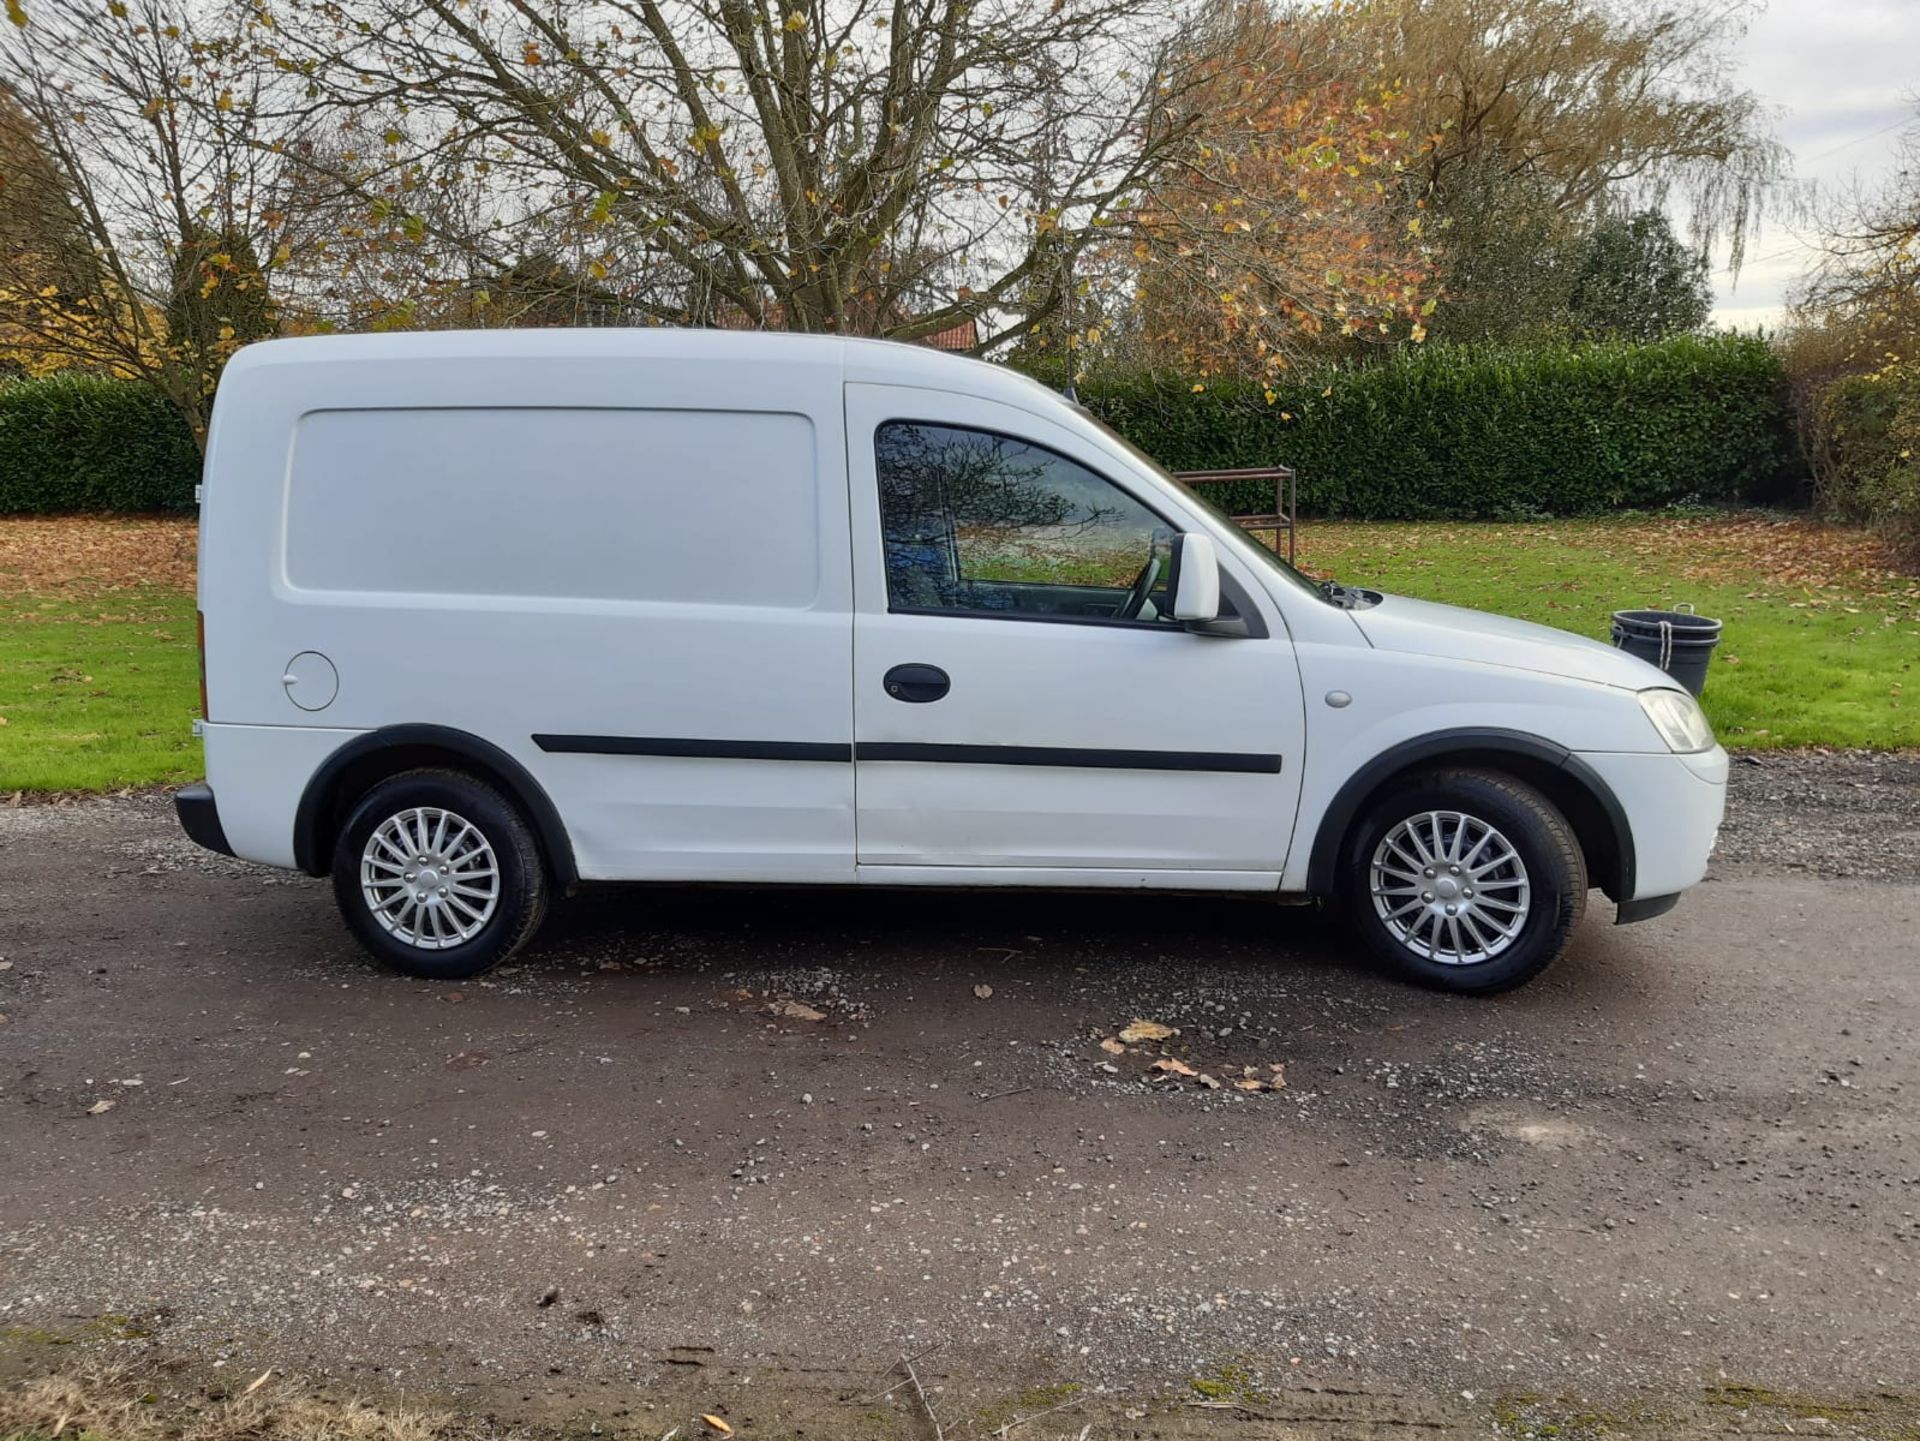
[(318, 801), (1469, 744)]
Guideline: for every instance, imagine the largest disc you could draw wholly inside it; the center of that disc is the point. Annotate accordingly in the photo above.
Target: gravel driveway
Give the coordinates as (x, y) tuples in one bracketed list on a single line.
[(746, 1148)]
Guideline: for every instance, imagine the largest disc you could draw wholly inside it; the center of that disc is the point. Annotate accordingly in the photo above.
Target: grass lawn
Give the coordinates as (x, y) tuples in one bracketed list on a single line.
[(98, 676)]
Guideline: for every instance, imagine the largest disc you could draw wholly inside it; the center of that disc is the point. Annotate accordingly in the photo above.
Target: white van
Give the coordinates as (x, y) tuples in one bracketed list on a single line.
[(490, 615)]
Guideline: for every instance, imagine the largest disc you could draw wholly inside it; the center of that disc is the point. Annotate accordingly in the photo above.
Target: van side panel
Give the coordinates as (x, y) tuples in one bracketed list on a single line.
[(669, 506), (614, 553)]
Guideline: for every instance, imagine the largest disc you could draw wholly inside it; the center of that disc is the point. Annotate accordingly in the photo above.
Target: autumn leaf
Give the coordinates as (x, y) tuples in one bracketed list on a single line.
[(17, 13), (796, 1011), (1136, 1031)]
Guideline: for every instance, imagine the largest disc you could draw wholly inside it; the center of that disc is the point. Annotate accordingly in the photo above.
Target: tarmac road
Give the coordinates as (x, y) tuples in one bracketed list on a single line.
[(1687, 1158)]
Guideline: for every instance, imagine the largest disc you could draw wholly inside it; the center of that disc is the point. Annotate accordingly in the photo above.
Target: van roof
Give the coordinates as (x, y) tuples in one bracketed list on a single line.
[(883, 362)]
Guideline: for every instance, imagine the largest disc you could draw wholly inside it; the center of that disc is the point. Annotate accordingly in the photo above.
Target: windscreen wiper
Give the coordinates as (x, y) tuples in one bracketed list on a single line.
[(1335, 593)]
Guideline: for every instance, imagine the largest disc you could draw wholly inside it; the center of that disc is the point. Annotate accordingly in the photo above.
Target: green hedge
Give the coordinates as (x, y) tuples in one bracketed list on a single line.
[(1460, 433), (89, 443), (1433, 433), (1867, 442)]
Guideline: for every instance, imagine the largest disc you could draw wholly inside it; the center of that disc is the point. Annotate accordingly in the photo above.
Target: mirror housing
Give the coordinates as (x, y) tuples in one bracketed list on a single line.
[(1196, 578)]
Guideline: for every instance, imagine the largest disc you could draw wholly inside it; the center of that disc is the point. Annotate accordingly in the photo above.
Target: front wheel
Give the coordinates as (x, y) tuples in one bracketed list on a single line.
[(439, 875), (1465, 881)]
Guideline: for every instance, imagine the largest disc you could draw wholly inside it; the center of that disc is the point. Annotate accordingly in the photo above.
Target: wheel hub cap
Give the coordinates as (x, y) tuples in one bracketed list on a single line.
[(430, 878), (1450, 888)]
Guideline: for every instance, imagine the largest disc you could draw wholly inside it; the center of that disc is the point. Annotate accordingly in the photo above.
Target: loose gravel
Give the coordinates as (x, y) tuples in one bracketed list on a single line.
[(633, 1162)]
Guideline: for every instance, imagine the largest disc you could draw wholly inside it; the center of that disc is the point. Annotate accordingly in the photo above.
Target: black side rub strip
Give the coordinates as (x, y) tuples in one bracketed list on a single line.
[(696, 749), (1113, 760), (1120, 760)]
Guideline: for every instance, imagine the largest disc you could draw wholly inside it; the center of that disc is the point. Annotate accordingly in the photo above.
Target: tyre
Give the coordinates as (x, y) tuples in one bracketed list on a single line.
[(439, 875), (1465, 880)]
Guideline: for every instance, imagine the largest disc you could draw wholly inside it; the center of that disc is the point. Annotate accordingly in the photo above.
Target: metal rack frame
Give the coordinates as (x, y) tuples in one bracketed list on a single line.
[(1280, 518)]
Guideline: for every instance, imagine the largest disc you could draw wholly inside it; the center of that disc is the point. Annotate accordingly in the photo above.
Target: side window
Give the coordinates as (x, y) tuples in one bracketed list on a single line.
[(982, 523)]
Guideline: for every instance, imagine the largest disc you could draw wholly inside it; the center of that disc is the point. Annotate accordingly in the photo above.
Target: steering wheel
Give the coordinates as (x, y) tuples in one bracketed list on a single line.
[(1144, 582)]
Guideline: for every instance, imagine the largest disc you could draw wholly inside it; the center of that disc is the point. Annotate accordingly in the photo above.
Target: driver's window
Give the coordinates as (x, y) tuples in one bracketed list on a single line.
[(983, 523)]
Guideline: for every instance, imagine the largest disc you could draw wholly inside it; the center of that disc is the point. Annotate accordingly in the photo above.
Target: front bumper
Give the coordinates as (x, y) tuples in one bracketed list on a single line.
[(200, 817), (1673, 805)]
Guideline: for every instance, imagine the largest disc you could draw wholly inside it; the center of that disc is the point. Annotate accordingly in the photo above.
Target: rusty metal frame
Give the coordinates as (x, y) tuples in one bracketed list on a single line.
[(1280, 518)]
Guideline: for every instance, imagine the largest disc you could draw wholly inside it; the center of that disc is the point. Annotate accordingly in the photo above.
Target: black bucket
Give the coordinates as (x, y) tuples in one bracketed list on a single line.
[(1678, 641)]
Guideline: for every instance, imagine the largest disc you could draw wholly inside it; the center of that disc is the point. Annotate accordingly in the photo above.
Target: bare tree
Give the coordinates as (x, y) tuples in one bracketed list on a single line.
[(143, 121), (1857, 313), (830, 165)]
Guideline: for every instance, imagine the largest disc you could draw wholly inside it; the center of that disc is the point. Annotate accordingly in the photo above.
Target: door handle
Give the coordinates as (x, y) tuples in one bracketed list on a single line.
[(916, 684)]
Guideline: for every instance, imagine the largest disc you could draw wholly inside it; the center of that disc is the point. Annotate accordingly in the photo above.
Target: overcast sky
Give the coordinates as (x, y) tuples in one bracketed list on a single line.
[(1843, 76)]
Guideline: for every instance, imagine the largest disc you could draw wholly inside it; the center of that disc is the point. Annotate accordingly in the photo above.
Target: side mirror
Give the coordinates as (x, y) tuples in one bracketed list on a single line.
[(1196, 578)]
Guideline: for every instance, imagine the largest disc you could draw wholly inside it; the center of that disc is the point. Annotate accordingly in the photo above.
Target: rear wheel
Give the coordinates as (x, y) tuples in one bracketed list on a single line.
[(439, 875), (1465, 880)]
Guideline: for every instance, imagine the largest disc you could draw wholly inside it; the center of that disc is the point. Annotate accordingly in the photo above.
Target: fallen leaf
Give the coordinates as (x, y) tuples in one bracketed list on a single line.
[(983, 992), (716, 1424), (258, 1382), (796, 1011), (1253, 1083), (453, 998), (1113, 1047), (468, 1060), (1138, 1030), (1173, 1067), (100, 1108), (1279, 1069), (1208, 1081)]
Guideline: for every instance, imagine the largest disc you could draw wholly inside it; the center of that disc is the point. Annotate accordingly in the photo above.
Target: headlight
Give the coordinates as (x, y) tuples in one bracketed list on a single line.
[(1678, 718)]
